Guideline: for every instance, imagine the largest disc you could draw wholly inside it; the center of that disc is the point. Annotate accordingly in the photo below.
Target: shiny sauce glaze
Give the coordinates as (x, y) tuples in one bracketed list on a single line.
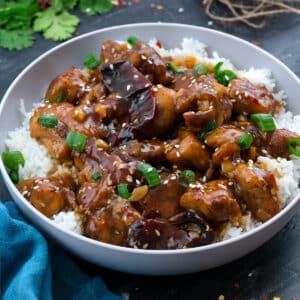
[(138, 115)]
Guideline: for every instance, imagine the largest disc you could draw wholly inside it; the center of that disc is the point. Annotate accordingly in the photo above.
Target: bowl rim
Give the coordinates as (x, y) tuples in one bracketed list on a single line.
[(12, 188)]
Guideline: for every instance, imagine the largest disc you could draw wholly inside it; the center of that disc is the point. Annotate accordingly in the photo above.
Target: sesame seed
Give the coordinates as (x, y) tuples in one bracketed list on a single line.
[(111, 66), (143, 57), (135, 76), (149, 62), (177, 154), (128, 87), (145, 246), (157, 232), (129, 178)]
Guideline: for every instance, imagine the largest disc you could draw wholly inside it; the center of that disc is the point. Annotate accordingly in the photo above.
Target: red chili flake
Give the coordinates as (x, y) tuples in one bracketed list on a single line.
[(265, 298), (236, 285), (236, 298), (257, 43), (204, 3), (158, 44), (135, 1), (294, 298)]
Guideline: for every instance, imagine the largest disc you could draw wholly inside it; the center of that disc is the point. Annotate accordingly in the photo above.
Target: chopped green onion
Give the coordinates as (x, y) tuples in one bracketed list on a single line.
[(60, 99), (49, 121), (14, 176), (186, 177), (150, 173), (265, 122), (76, 141), (224, 76), (173, 68), (292, 146), (201, 69), (123, 190), (13, 159), (211, 125), (91, 62), (132, 40), (245, 141), (96, 176)]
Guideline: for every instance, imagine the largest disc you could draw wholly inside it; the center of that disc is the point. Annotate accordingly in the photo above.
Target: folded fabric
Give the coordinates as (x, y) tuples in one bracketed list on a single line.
[(31, 269)]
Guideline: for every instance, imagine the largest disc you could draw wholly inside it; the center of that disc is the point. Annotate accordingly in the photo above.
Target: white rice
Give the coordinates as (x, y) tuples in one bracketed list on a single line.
[(69, 221), (286, 172), (37, 160)]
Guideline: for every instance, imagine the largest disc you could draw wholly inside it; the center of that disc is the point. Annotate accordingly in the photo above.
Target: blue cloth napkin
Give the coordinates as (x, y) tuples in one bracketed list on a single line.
[(31, 269)]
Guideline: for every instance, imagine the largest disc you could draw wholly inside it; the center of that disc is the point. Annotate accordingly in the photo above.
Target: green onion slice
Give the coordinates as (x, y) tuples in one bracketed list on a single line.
[(49, 121), (76, 141), (186, 177), (96, 176), (91, 62), (13, 159), (14, 176), (223, 76), (265, 122), (292, 146), (150, 173), (123, 190), (201, 69), (245, 141), (60, 99), (132, 40), (173, 68), (211, 125)]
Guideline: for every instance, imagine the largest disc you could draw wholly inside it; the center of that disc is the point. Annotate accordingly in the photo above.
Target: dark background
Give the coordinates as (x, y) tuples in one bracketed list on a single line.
[(273, 269)]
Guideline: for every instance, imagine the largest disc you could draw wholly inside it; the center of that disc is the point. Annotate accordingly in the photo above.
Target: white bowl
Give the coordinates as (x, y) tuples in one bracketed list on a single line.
[(30, 86)]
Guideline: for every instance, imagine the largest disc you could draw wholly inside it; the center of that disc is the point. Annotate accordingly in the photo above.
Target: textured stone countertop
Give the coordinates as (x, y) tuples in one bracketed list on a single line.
[(273, 269)]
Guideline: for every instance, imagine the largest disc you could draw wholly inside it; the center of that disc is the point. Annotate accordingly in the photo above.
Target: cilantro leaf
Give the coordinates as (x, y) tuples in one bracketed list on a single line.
[(55, 25), (63, 4), (69, 4), (93, 7), (16, 39)]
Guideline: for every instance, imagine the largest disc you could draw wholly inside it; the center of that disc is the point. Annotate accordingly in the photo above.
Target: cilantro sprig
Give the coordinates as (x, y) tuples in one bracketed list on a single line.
[(19, 19)]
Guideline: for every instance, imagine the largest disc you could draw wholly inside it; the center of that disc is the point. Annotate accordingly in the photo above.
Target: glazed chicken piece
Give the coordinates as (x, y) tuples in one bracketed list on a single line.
[(204, 101), (67, 87), (257, 188), (163, 199), (184, 80), (92, 196), (94, 95), (225, 140), (110, 224), (111, 52), (83, 119), (250, 98), (277, 142), (49, 195), (96, 160), (165, 117), (149, 62), (148, 150), (222, 135), (142, 56), (214, 199), (188, 150)]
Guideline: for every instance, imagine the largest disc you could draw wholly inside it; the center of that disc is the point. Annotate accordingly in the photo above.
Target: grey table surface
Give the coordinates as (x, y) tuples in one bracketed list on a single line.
[(273, 269)]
